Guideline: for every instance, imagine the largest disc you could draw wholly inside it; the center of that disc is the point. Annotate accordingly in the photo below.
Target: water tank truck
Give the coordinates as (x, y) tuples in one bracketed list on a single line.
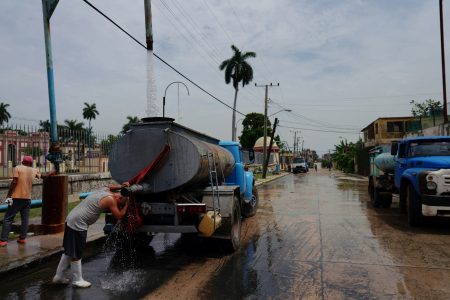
[(417, 171), (183, 181)]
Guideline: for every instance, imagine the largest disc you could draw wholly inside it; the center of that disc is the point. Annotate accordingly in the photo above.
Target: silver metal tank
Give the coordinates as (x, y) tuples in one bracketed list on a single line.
[(185, 165), (385, 162)]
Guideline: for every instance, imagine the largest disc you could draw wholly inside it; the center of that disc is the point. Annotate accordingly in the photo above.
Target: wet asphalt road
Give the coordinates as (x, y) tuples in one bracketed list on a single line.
[(315, 236)]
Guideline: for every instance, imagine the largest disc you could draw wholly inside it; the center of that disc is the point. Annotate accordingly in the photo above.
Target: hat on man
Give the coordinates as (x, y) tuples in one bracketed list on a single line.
[(27, 160)]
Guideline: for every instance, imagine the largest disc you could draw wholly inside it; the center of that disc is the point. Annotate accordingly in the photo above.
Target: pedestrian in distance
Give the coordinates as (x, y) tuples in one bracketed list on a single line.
[(19, 199), (315, 167), (77, 222)]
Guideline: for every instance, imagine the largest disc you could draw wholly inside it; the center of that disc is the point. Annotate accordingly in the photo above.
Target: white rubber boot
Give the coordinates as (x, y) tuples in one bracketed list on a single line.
[(78, 280), (63, 265)]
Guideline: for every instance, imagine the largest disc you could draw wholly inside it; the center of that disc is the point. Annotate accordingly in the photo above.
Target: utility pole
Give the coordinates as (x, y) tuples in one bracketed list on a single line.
[(266, 162), (444, 82), (295, 143), (266, 100)]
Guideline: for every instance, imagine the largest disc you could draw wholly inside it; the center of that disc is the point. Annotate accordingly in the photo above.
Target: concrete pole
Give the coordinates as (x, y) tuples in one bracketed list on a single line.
[(444, 82), (265, 131), (148, 24)]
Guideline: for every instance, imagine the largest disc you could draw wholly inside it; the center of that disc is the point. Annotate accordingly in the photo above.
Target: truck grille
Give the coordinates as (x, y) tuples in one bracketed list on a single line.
[(446, 179)]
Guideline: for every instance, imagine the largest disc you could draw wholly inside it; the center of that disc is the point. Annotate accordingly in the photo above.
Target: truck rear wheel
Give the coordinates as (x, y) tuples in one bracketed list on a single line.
[(377, 198), (234, 242), (414, 206), (249, 209)]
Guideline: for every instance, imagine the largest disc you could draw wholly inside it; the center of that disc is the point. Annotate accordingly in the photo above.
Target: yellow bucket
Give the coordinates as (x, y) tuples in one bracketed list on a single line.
[(206, 226)]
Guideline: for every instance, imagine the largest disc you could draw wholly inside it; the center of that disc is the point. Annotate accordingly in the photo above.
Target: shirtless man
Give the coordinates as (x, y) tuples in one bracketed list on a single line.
[(79, 219)]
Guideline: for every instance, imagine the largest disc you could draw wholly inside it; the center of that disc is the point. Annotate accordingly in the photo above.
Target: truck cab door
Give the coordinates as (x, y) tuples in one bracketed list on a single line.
[(400, 163)]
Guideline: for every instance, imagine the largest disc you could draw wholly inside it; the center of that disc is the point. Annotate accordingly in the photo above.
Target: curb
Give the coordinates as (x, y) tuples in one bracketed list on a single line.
[(261, 182), (39, 258)]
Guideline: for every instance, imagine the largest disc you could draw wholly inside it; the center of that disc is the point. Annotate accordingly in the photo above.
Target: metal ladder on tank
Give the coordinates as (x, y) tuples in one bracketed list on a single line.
[(214, 182)]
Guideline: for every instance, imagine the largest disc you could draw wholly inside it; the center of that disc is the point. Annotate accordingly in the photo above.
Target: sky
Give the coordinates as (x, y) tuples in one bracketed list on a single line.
[(340, 64)]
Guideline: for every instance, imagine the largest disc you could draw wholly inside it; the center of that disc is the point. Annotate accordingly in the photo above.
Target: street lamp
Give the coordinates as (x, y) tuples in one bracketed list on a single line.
[(164, 98), (288, 110)]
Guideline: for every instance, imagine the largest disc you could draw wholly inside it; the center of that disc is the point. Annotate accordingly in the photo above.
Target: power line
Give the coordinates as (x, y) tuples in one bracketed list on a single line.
[(319, 130), (162, 60)]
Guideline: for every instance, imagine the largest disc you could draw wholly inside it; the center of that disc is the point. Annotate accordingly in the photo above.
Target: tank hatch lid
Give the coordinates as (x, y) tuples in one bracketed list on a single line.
[(157, 119)]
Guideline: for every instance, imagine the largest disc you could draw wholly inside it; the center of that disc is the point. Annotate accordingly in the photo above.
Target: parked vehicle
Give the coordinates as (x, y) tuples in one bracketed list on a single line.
[(417, 170), (299, 165), (195, 180)]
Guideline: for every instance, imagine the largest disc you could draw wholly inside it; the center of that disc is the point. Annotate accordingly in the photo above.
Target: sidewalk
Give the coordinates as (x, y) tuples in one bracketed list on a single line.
[(39, 248)]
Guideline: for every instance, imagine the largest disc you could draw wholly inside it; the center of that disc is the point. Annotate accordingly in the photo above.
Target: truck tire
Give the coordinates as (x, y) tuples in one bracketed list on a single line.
[(249, 209), (234, 242), (370, 188), (377, 198), (387, 201), (414, 206)]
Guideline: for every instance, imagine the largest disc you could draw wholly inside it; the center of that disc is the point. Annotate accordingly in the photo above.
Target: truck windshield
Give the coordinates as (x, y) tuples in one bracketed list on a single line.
[(299, 160), (429, 148)]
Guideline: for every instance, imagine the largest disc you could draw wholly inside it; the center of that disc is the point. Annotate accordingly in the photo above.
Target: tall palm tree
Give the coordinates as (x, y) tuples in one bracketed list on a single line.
[(90, 112), (131, 120), (237, 69), (4, 114)]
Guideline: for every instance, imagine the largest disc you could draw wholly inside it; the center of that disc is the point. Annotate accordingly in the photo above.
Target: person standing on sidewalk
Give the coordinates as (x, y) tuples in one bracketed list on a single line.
[(19, 199), (79, 219)]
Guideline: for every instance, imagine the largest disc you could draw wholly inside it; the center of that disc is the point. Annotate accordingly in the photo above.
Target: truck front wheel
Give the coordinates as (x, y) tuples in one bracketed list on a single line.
[(414, 206), (249, 209)]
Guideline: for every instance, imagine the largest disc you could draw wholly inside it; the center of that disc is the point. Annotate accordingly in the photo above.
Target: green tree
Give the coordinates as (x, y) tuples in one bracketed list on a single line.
[(131, 120), (106, 144), (74, 125), (89, 113), (428, 108), (253, 129), (4, 114), (237, 70)]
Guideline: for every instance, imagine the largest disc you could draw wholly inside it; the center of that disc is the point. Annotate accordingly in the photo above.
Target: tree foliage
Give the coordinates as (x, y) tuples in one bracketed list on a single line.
[(90, 112), (131, 120), (4, 114), (237, 70), (427, 108), (253, 129), (345, 153)]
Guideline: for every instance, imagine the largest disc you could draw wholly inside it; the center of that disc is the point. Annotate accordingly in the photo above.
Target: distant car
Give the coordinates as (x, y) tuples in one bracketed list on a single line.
[(299, 165)]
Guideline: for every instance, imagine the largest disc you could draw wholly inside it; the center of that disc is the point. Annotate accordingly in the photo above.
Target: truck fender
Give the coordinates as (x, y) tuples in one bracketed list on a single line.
[(412, 176), (249, 182)]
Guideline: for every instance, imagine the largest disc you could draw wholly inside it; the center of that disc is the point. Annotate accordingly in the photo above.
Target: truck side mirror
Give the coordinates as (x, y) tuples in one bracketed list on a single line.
[(394, 148), (251, 156)]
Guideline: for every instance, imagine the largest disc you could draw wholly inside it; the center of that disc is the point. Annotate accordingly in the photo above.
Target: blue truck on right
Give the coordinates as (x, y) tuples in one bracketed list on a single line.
[(418, 172)]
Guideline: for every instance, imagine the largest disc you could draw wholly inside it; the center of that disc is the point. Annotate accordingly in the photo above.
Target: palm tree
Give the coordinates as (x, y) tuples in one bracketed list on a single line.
[(74, 125), (90, 112), (238, 69), (4, 114), (131, 120)]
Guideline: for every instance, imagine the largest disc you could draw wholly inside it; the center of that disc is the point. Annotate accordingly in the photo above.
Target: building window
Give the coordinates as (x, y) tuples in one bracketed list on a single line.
[(376, 128), (395, 126)]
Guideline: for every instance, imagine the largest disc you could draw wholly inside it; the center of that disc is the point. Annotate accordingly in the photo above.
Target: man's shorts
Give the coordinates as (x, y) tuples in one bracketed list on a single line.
[(74, 242)]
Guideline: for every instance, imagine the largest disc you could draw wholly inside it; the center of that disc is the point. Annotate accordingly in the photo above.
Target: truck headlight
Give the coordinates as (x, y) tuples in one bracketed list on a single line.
[(431, 185)]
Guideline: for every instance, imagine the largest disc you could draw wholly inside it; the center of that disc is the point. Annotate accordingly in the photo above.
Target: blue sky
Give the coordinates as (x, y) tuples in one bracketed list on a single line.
[(340, 64)]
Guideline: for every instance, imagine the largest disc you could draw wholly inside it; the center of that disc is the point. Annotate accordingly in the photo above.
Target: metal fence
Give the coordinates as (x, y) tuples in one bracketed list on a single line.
[(83, 152)]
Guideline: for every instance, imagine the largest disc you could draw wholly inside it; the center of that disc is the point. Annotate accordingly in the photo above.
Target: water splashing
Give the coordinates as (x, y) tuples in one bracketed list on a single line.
[(152, 106)]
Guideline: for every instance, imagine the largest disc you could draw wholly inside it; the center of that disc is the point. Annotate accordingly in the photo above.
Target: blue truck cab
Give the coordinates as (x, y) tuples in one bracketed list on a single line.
[(243, 178), (422, 176)]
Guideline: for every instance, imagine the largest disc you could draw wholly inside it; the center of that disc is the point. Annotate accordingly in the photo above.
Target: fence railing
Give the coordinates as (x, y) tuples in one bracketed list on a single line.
[(83, 151)]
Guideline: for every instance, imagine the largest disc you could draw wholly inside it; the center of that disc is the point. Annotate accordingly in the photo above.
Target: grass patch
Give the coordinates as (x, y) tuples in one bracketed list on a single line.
[(37, 212)]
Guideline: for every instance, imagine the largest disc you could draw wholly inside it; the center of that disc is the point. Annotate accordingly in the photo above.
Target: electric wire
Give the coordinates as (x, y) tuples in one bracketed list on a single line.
[(319, 130), (161, 59)]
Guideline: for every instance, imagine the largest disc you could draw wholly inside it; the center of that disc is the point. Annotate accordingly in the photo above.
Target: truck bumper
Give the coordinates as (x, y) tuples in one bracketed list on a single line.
[(435, 205)]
